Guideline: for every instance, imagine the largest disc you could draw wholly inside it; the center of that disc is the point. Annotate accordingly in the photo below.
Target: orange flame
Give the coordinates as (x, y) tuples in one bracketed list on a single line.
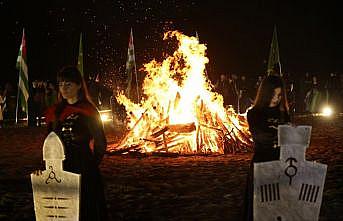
[(179, 111)]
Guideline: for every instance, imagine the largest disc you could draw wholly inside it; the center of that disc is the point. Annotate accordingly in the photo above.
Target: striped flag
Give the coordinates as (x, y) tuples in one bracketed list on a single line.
[(80, 58), (23, 85), (274, 64), (132, 91)]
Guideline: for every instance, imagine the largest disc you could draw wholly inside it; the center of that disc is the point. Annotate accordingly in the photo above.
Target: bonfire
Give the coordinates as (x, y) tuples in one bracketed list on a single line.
[(180, 112)]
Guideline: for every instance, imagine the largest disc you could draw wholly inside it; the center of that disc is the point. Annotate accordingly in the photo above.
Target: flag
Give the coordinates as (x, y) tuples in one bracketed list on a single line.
[(274, 64), (80, 58), (131, 72), (23, 83)]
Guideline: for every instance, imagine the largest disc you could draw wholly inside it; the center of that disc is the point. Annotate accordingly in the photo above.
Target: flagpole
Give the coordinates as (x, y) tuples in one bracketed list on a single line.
[(138, 96), (20, 68), (16, 108), (27, 111), (80, 56)]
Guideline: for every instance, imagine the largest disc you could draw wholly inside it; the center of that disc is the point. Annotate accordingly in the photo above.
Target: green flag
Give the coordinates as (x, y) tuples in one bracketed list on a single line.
[(132, 91), (80, 58), (23, 83), (274, 64)]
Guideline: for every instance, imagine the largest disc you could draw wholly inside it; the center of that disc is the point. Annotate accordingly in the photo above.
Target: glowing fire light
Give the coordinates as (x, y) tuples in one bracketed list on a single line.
[(327, 111), (179, 111), (105, 115)]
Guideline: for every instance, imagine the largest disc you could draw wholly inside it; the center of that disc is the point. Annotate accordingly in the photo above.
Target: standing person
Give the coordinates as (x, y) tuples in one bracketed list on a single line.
[(222, 87), (50, 95), (332, 89), (244, 99), (77, 122), (305, 85), (257, 84), (313, 97), (118, 110), (38, 101), (270, 110), (340, 94), (233, 92)]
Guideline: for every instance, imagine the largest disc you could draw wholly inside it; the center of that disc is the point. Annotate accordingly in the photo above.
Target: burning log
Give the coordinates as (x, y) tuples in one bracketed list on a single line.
[(160, 132), (212, 128), (178, 128), (131, 130), (171, 141), (164, 141), (123, 150), (182, 128), (173, 128), (243, 135), (198, 138)]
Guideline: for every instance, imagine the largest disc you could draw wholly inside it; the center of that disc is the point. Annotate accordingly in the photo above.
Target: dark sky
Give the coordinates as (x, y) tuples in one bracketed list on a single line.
[(237, 34)]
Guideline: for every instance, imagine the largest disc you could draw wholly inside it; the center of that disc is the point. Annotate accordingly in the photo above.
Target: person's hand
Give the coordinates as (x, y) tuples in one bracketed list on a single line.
[(37, 172), (273, 127), (291, 124)]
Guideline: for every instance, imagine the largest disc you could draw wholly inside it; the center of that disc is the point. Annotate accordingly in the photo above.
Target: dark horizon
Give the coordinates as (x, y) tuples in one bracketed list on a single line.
[(237, 35)]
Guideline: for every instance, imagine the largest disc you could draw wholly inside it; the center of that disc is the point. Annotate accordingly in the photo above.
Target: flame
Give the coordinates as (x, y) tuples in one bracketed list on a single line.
[(179, 111)]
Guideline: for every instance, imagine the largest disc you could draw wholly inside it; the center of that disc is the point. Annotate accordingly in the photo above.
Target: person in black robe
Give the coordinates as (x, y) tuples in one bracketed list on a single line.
[(270, 110), (77, 122)]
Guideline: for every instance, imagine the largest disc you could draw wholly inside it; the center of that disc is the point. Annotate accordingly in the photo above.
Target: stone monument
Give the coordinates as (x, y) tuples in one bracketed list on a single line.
[(56, 193), (289, 189)]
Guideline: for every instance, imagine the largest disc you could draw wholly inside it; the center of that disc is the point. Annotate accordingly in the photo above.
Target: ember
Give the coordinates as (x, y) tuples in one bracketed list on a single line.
[(180, 112)]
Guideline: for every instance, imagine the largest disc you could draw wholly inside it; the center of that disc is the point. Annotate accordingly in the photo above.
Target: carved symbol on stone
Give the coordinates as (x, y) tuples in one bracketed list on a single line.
[(52, 176), (308, 193), (291, 170), (270, 192)]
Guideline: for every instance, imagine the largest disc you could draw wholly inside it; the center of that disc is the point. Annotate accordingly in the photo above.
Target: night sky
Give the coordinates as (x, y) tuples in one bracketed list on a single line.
[(237, 34)]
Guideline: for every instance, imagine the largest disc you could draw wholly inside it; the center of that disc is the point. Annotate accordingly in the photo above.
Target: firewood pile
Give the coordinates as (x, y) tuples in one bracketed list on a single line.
[(209, 135)]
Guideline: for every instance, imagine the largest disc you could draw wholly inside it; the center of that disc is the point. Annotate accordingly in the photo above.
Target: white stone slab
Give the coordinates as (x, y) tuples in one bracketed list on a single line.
[(291, 188), (56, 193)]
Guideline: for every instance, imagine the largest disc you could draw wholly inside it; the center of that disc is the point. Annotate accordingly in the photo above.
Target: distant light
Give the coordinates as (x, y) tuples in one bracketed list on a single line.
[(105, 115), (327, 111)]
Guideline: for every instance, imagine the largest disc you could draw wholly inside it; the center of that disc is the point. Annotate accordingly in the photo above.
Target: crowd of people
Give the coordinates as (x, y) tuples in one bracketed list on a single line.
[(43, 94), (306, 93)]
